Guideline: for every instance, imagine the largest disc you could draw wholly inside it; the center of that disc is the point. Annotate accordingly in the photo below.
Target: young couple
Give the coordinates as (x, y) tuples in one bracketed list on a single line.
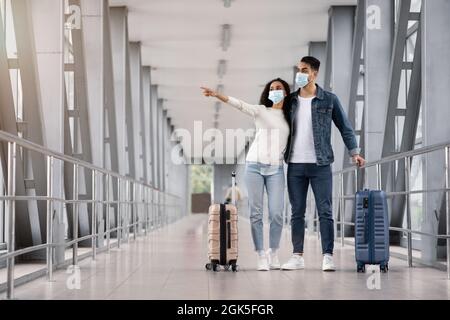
[(295, 128)]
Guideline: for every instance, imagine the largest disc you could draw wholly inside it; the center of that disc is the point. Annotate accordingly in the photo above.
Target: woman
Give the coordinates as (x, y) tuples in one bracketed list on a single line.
[(264, 165)]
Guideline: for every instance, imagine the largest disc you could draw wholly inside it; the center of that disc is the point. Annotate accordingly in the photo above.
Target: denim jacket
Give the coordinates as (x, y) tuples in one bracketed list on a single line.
[(326, 108)]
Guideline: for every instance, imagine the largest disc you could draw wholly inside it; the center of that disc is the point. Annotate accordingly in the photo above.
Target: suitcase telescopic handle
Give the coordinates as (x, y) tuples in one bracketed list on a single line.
[(233, 188), (366, 206)]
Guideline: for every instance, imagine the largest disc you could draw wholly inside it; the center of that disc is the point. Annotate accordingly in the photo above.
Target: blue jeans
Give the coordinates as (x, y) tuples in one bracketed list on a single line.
[(271, 177), (299, 176)]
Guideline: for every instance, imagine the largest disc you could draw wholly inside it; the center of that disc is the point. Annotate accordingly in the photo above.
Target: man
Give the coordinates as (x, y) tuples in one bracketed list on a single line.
[(309, 155)]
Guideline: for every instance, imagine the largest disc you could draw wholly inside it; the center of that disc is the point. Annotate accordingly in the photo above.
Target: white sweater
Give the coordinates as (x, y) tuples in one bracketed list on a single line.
[(272, 132)]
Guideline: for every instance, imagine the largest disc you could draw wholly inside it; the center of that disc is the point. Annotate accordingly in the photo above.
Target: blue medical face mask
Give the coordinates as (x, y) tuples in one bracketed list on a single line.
[(301, 79), (276, 96)]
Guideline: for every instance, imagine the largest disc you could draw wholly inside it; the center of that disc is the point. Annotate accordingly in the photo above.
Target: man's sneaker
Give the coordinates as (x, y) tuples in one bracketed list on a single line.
[(296, 262), (272, 257), (327, 263), (263, 264)]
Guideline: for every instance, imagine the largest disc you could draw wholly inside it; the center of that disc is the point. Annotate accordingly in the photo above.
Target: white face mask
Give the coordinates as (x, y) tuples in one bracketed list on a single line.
[(301, 79), (276, 96)]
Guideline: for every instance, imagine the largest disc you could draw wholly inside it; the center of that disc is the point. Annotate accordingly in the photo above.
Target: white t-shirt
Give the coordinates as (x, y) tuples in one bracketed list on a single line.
[(304, 151), (272, 132)]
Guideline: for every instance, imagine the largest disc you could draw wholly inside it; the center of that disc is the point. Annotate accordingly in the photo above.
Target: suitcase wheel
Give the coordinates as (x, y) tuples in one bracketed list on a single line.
[(361, 268), (211, 266), (384, 267), (234, 267)]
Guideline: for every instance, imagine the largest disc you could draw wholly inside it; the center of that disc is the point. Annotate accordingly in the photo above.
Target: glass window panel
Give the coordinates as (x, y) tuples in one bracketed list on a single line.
[(416, 5), (70, 88), (402, 91), (416, 199), (2, 9), (360, 90), (411, 23), (396, 9), (13, 75), (16, 86), (11, 48), (408, 80), (66, 223), (201, 176), (68, 47), (410, 47), (419, 129), (71, 125), (359, 114), (399, 124)]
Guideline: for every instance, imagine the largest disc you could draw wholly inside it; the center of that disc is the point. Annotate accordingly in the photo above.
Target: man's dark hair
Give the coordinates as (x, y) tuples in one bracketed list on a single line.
[(314, 63)]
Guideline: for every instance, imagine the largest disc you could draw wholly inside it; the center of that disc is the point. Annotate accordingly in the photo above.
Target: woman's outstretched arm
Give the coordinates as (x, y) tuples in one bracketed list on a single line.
[(249, 109), (207, 92)]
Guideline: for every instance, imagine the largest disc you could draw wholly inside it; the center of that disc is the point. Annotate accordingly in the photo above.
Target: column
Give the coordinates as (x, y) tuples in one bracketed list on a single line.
[(436, 112)]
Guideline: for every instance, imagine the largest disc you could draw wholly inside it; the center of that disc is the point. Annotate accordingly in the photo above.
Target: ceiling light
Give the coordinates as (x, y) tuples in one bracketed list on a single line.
[(227, 3), (222, 68), (226, 36), (217, 106)]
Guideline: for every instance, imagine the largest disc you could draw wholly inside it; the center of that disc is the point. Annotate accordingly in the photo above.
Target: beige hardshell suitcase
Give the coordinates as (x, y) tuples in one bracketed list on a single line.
[(223, 234)]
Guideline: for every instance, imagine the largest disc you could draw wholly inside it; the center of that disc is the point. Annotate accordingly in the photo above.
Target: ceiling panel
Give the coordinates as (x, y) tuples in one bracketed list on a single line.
[(181, 41)]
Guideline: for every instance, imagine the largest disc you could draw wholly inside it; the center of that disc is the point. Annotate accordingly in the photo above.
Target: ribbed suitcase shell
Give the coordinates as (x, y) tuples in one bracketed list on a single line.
[(231, 243), (371, 236)]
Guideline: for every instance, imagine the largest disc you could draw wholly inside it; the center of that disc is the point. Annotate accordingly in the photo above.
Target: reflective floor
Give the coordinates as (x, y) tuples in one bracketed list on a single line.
[(169, 264)]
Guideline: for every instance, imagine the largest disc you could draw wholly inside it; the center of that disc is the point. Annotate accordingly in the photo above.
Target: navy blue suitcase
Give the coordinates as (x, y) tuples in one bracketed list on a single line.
[(371, 229)]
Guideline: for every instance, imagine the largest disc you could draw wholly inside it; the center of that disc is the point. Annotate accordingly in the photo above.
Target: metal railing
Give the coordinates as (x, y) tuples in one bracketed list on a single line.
[(406, 157), (149, 208)]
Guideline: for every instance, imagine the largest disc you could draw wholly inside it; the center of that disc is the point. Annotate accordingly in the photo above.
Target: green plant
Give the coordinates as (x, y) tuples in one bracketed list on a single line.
[(201, 177)]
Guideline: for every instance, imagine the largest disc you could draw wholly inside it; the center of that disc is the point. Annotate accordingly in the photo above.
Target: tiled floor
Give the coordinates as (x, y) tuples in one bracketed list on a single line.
[(25, 270), (169, 264)]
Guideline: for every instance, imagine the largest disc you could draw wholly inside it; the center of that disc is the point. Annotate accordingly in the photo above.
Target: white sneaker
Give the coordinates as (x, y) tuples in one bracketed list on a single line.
[(263, 264), (296, 262), (327, 263), (274, 262)]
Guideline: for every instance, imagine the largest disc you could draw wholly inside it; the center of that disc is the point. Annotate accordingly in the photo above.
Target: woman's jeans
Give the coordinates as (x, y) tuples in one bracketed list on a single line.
[(258, 176)]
